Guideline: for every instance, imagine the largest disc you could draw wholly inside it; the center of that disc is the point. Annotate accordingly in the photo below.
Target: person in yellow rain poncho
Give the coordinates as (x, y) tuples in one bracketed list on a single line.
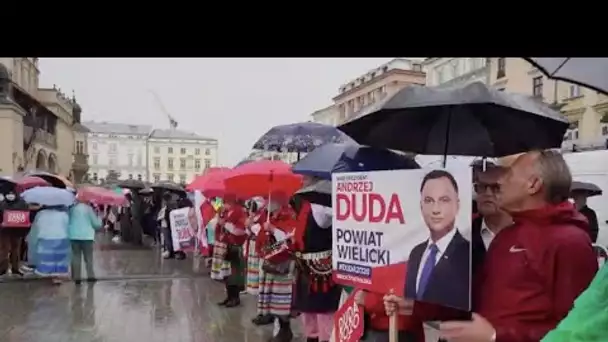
[(588, 319)]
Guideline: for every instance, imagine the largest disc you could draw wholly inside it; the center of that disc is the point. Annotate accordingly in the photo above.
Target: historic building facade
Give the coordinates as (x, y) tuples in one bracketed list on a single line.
[(36, 124)]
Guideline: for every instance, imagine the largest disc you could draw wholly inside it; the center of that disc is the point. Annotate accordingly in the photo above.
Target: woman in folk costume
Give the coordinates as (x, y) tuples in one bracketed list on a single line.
[(276, 279), (251, 254), (230, 237), (316, 297)]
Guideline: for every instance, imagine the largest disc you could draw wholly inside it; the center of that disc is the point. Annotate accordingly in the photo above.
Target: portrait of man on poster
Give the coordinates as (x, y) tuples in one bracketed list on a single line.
[(439, 268)]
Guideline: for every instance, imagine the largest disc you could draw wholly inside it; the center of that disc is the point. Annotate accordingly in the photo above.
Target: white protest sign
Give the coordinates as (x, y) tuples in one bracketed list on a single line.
[(182, 223)]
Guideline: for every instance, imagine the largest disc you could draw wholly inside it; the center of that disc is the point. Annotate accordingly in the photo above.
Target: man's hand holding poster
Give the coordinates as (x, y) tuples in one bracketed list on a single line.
[(408, 231)]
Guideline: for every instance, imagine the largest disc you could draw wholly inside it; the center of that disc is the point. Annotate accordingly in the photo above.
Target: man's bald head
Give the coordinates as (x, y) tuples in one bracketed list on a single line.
[(535, 178)]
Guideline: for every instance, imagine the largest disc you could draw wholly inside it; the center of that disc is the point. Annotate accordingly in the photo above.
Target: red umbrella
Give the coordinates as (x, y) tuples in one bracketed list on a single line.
[(261, 178), (97, 195), (210, 183), (29, 182)]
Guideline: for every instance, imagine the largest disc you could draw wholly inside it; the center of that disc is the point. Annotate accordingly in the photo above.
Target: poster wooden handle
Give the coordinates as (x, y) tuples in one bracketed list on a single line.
[(393, 330)]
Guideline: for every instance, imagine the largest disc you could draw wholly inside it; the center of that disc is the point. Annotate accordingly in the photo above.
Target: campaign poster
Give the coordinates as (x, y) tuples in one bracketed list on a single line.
[(406, 231), (182, 223)]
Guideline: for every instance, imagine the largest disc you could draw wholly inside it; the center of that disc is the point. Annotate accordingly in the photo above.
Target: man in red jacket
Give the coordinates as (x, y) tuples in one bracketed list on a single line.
[(534, 270)]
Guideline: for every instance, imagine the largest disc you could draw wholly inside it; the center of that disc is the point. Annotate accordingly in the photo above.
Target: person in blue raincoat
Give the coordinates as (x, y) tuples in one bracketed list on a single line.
[(50, 243)]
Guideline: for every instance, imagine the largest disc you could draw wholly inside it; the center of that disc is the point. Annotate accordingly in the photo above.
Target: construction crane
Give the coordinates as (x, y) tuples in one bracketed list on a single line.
[(172, 122)]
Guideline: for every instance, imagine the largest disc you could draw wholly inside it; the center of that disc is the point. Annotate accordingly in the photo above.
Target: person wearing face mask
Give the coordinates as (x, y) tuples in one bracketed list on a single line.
[(278, 222), (16, 221), (231, 235)]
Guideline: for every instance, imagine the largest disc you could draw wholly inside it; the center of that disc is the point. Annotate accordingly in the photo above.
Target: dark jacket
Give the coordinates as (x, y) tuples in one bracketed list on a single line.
[(17, 205), (592, 219), (449, 284)]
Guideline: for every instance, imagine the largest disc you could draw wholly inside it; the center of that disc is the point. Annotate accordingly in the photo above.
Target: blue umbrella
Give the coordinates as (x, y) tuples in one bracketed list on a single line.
[(48, 196), (300, 137), (332, 158)]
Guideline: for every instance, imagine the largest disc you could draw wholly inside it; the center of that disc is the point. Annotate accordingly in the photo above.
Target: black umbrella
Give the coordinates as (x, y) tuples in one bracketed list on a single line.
[(584, 71), (300, 137), (132, 184), (7, 184), (589, 189), (318, 192), (471, 120), (169, 186)]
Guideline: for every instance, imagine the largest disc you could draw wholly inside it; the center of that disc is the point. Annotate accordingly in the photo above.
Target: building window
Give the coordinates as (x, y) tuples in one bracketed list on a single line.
[(95, 178), (182, 178), (170, 150), (79, 147), (130, 159), (170, 177), (130, 176), (197, 164), (207, 151), (537, 86), (113, 148), (605, 130), (156, 163), (94, 146), (501, 70), (157, 151), (95, 157), (182, 163), (156, 177), (197, 151), (207, 163), (112, 161), (139, 177), (182, 150), (139, 159), (170, 163), (575, 91)]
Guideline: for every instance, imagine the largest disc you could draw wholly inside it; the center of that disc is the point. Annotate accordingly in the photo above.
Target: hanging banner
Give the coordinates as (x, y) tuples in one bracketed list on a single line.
[(405, 231), (183, 222)]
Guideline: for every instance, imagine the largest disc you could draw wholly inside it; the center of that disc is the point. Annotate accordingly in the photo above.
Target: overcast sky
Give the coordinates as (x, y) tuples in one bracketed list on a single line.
[(232, 100)]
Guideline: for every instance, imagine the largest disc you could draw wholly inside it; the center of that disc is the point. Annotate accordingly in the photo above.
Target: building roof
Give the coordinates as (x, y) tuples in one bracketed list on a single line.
[(177, 134), (81, 128), (117, 128)]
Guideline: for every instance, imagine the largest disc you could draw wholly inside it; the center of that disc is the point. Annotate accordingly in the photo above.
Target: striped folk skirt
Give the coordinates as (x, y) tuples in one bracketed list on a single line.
[(274, 295), (53, 257), (220, 268), (253, 268)]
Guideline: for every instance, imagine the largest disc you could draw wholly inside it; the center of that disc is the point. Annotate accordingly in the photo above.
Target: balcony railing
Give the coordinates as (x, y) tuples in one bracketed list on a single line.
[(81, 159), (42, 136)]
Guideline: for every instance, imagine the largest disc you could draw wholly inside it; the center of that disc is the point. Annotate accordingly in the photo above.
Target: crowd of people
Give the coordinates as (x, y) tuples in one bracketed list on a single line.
[(532, 254), (280, 251), (46, 240), (55, 241), (532, 257)]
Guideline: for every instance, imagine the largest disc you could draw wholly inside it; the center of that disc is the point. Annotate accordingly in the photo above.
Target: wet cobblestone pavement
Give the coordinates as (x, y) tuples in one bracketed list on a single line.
[(138, 298)]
